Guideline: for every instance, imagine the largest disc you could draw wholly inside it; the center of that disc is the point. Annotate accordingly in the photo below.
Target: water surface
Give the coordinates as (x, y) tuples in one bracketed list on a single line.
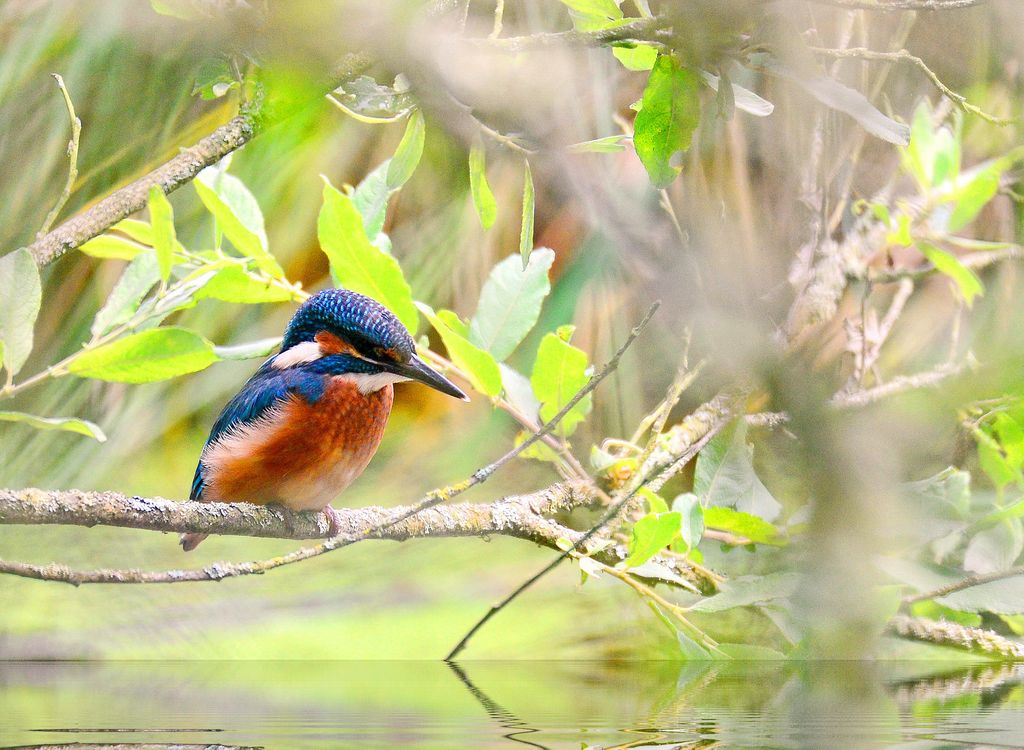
[(506, 704)]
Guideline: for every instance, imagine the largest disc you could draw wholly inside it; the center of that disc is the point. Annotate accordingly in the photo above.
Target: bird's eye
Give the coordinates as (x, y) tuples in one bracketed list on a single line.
[(383, 352)]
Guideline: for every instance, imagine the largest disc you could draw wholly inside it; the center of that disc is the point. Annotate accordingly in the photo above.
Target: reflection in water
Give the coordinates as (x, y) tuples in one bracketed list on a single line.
[(505, 704)]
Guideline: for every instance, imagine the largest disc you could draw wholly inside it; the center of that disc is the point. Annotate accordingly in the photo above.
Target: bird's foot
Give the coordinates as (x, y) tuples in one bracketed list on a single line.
[(333, 522)]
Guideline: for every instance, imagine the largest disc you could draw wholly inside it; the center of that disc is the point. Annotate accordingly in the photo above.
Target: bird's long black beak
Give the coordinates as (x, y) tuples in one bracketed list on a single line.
[(418, 370)]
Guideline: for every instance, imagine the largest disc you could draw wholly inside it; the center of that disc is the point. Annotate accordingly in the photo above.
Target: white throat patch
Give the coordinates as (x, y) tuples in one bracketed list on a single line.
[(373, 382)]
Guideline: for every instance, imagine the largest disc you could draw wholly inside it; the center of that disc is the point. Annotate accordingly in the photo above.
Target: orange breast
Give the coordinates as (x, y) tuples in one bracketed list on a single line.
[(301, 455)]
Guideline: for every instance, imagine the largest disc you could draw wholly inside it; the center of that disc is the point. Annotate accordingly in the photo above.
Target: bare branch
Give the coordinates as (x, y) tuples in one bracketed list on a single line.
[(901, 384), (893, 5), (966, 583), (951, 634), (863, 53)]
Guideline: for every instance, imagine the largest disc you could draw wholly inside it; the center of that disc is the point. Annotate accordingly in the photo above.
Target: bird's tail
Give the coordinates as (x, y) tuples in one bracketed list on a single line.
[(189, 542)]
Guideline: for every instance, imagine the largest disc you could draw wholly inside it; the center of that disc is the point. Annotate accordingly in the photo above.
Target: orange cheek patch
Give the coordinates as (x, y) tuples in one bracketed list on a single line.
[(331, 344)]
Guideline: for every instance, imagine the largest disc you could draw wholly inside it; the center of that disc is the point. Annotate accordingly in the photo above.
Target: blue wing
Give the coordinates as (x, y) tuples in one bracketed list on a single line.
[(268, 387)]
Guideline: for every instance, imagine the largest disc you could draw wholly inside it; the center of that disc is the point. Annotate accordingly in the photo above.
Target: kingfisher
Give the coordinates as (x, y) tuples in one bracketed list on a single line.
[(309, 421)]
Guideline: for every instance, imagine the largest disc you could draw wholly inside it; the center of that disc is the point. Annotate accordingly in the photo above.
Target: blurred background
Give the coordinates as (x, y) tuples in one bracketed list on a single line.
[(721, 261)]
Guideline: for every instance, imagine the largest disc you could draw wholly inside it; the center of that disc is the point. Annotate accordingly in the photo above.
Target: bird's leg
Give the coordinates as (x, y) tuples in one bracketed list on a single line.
[(334, 523)]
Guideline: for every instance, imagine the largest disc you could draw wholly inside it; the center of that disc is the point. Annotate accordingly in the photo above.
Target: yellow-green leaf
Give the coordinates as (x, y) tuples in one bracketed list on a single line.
[(559, 372), (479, 366), (526, 231), (67, 424), (408, 154), (356, 264), (20, 297), (483, 198), (967, 282), (161, 217), (651, 534), (112, 246), (156, 354), (669, 114), (238, 215), (233, 284), (975, 196)]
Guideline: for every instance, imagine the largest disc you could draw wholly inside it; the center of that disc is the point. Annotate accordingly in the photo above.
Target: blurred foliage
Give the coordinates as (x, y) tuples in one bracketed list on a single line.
[(489, 193)]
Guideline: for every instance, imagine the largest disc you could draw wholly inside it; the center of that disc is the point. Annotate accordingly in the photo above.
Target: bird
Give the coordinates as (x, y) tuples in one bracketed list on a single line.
[(307, 423)]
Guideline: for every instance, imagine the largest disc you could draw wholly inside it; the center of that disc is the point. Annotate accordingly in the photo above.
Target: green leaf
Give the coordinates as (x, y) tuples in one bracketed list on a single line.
[(518, 391), (214, 79), (741, 524), (233, 284), (453, 321), (67, 424), (967, 282), (478, 365), (140, 231), (138, 278), (949, 491), (1011, 439), (483, 198), (995, 549), (636, 57), (918, 156), (691, 528), (112, 246), (358, 265), (746, 591), (668, 116), (21, 294), (559, 372), (161, 217), (655, 502), (610, 144), (156, 354), (651, 534), (604, 9), (526, 230), (993, 462), (724, 476), (510, 303), (408, 154), (371, 198), (974, 196), (238, 215), (248, 350)]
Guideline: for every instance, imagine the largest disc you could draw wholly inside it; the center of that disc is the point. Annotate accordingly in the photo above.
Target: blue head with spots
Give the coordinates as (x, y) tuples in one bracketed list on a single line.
[(361, 335), (363, 323)]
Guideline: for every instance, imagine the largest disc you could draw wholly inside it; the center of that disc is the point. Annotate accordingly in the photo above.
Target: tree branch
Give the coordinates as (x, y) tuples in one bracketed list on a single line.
[(171, 175), (518, 516), (959, 636), (891, 5), (966, 583)]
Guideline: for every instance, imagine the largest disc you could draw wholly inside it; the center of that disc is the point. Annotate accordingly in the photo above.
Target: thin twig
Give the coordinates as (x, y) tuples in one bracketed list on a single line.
[(901, 384), (72, 151), (499, 14), (863, 53), (607, 518), (966, 583), (891, 5)]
